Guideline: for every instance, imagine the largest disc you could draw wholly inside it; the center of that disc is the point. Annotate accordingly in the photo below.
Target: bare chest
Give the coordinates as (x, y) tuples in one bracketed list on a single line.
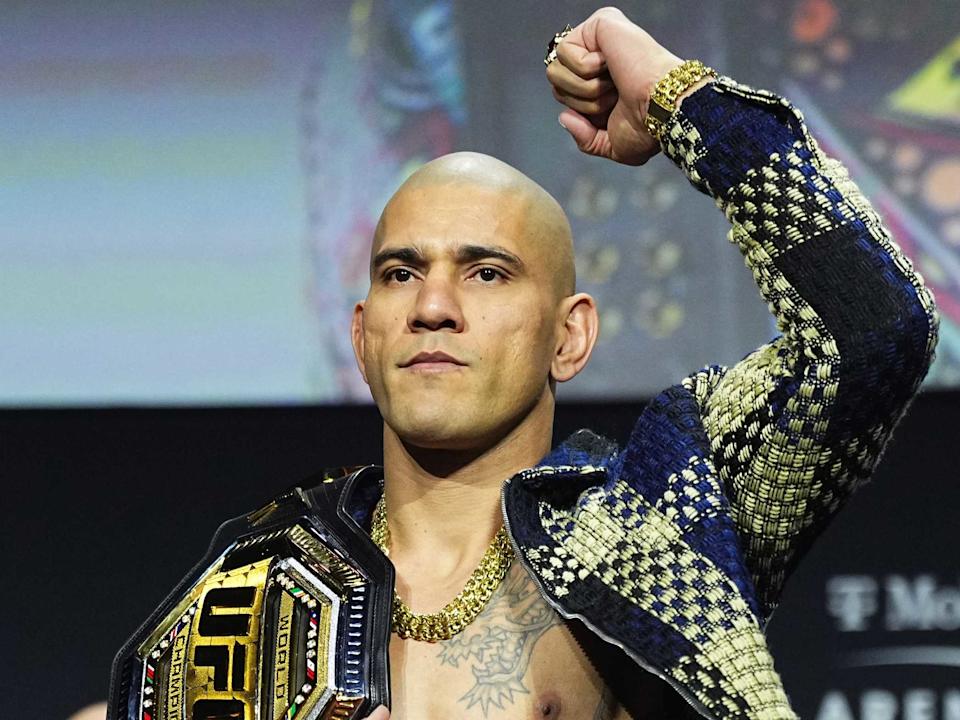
[(515, 661)]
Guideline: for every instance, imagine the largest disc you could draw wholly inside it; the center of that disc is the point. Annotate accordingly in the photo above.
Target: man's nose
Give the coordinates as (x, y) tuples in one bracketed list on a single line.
[(437, 306)]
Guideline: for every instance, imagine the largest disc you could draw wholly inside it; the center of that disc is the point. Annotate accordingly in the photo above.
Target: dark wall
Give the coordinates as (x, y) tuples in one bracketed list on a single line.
[(107, 509)]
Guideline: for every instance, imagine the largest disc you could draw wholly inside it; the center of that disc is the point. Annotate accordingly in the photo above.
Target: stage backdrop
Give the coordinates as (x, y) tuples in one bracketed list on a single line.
[(190, 188)]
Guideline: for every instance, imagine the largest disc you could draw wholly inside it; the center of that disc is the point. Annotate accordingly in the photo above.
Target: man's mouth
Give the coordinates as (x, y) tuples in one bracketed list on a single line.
[(432, 362)]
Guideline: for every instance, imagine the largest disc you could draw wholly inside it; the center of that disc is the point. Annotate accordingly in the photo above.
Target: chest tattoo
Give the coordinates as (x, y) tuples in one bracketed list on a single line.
[(498, 644)]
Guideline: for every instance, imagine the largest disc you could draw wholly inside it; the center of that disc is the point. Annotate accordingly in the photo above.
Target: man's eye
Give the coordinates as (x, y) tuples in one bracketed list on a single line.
[(488, 274), (399, 274)]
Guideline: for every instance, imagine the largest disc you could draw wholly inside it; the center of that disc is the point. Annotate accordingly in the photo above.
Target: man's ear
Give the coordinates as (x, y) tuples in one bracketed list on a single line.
[(577, 336), (356, 338)]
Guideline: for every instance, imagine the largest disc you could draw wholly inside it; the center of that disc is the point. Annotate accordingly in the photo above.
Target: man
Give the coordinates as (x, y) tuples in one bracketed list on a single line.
[(586, 581), (643, 575)]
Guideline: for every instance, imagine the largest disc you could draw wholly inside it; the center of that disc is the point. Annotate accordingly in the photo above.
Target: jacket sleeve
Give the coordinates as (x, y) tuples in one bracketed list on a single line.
[(798, 425)]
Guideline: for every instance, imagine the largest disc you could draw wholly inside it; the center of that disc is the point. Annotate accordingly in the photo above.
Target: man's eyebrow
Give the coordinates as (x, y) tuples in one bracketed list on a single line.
[(465, 254), (406, 255), (472, 253)]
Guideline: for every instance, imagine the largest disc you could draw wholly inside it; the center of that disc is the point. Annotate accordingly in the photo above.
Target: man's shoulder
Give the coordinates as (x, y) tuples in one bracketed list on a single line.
[(581, 448), (351, 489)]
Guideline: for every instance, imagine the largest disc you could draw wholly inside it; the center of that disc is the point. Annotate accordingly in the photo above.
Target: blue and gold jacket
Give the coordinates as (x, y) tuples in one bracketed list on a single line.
[(669, 554)]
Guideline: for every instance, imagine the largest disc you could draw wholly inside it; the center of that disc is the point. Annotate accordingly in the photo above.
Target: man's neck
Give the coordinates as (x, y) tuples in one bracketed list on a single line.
[(443, 506)]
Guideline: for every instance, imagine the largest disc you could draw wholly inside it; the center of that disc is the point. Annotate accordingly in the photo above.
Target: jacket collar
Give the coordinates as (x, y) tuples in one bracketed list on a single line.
[(583, 449)]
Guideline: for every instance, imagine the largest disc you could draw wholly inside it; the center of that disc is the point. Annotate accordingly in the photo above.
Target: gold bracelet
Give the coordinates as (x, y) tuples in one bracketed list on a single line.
[(663, 103)]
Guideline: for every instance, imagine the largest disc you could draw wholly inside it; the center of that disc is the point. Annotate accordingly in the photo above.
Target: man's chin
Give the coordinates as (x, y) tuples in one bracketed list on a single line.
[(446, 430), (432, 438)]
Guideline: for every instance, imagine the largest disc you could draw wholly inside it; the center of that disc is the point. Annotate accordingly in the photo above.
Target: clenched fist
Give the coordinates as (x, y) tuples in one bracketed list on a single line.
[(605, 72)]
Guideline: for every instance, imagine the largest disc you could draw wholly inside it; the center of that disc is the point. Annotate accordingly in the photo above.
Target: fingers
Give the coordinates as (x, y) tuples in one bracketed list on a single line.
[(567, 81), (590, 94), (380, 713), (580, 49), (585, 134), (573, 54), (600, 106)]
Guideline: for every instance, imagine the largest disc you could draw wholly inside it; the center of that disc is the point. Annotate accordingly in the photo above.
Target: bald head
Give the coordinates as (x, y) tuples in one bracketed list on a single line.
[(545, 232)]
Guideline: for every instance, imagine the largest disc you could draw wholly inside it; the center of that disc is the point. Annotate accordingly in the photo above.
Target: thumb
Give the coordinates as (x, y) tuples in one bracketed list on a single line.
[(585, 134), (381, 713)]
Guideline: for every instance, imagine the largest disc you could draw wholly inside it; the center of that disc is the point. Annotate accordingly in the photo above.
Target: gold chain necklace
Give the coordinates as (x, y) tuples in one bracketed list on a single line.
[(459, 612)]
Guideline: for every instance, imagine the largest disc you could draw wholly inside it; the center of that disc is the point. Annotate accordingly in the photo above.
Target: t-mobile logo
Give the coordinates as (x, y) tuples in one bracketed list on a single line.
[(909, 603), (852, 600)]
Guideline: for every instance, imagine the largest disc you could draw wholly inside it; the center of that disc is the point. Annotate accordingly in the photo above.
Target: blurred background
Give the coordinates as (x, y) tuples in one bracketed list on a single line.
[(187, 196)]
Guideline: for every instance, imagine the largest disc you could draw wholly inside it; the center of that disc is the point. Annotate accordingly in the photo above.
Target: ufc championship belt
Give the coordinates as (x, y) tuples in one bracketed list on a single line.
[(287, 616)]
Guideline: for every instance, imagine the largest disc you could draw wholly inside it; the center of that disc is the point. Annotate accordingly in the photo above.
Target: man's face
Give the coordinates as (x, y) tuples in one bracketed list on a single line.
[(457, 271)]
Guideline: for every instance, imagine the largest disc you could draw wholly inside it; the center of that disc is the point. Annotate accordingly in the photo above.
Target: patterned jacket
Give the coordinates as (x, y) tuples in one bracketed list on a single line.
[(671, 553)]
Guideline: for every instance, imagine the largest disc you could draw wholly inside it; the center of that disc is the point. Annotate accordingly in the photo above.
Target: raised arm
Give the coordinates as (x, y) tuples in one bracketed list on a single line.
[(798, 424)]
